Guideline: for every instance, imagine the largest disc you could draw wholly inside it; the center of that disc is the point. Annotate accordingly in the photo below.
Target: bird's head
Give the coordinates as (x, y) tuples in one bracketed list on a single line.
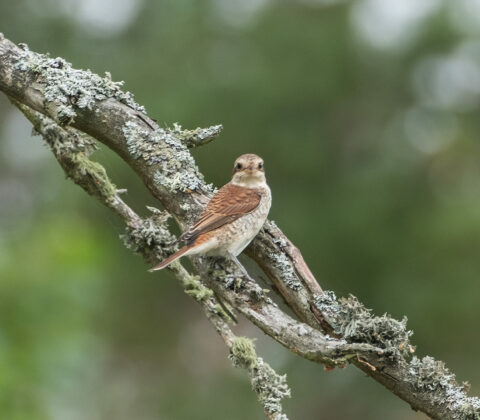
[(248, 171)]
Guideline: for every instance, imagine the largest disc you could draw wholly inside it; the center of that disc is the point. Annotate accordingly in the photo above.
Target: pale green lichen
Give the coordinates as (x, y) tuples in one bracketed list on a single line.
[(356, 324), (68, 88), (226, 316), (194, 288), (270, 387), (243, 354), (84, 171), (177, 170), (430, 375), (62, 143)]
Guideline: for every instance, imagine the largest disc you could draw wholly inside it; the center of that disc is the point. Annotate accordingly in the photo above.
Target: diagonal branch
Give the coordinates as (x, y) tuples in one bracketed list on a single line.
[(97, 106), (71, 151), (150, 238)]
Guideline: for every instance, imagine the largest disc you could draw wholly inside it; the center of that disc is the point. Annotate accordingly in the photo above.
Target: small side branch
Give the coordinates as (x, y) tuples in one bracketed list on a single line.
[(197, 137)]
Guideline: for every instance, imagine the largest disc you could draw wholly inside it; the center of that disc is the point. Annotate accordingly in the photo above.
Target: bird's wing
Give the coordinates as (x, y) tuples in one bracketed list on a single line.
[(227, 205)]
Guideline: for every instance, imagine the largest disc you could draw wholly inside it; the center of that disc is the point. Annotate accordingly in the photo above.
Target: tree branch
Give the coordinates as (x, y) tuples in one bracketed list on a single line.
[(379, 346), (149, 238)]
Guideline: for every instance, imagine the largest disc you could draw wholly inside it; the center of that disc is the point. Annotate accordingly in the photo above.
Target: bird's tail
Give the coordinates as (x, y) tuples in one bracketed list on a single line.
[(171, 258)]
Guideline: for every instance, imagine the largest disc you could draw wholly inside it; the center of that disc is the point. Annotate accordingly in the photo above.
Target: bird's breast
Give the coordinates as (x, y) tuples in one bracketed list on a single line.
[(238, 234)]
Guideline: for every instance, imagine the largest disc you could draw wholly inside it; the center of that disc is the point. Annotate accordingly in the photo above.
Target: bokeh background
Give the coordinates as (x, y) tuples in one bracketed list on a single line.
[(366, 113)]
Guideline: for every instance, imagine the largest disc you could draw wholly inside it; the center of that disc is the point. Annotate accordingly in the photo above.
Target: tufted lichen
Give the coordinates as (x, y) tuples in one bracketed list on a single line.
[(151, 238), (430, 375), (61, 142), (270, 387), (68, 88), (356, 324), (242, 353)]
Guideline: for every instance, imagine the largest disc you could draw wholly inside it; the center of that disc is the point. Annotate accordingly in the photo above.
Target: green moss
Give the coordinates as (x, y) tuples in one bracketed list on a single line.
[(225, 316), (242, 353), (193, 287)]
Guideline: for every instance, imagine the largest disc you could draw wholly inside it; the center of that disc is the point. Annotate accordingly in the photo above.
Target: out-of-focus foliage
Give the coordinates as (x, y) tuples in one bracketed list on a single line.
[(367, 116)]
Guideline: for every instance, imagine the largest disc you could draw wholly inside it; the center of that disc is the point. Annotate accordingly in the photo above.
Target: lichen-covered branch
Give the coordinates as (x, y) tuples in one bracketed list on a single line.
[(97, 106), (149, 237), (270, 387), (162, 159)]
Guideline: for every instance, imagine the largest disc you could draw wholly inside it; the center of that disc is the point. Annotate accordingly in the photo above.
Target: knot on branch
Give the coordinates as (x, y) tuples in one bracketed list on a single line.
[(151, 237), (270, 387), (353, 322)]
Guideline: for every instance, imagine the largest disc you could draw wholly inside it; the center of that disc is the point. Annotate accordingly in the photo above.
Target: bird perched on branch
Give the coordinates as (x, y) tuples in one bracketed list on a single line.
[(233, 216)]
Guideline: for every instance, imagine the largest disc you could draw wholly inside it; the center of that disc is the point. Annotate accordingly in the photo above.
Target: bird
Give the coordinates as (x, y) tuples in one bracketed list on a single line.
[(233, 216)]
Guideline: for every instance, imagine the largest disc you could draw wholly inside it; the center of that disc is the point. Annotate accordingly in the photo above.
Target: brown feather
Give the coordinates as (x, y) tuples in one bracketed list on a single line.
[(171, 258), (227, 205)]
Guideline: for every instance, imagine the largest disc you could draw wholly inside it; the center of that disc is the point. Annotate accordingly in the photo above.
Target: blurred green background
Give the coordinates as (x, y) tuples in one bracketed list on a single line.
[(366, 114)]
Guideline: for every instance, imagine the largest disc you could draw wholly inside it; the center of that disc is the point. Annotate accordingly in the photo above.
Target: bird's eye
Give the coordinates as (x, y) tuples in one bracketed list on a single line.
[(238, 165), (260, 165)]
